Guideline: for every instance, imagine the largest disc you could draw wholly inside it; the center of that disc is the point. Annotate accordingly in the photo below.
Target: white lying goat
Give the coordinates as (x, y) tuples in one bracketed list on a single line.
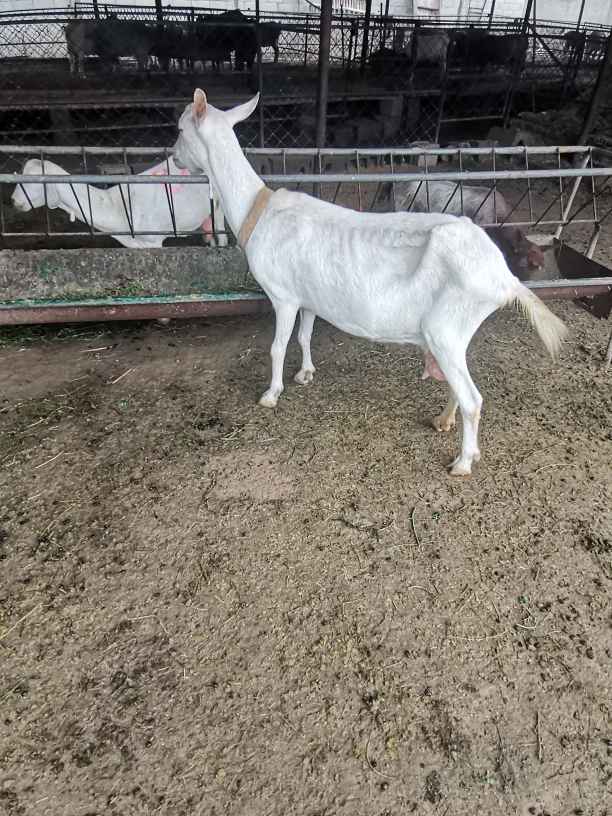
[(482, 204), (147, 205), (392, 277)]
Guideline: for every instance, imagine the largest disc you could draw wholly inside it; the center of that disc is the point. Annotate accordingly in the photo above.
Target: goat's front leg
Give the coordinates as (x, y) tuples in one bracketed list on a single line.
[(306, 372), (285, 320)]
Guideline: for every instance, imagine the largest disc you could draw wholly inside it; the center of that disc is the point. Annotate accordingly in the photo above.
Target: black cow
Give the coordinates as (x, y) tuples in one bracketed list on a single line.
[(573, 46), (236, 31), (476, 49), (189, 43)]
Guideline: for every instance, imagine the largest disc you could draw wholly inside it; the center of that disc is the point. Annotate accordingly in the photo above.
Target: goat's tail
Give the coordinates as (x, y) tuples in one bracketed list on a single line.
[(551, 330)]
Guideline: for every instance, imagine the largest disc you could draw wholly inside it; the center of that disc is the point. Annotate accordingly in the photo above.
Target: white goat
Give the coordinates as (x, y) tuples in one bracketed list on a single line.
[(147, 206), (391, 277)]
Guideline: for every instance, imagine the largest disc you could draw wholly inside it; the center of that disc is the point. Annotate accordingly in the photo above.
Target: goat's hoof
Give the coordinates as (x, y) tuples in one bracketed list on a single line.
[(304, 376), (459, 467), (269, 400), (443, 423), (460, 470)]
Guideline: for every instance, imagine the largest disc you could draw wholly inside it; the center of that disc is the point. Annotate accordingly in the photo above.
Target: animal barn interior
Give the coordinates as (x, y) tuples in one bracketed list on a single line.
[(208, 607)]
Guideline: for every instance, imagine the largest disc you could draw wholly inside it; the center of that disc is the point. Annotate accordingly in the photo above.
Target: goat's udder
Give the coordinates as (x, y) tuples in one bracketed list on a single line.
[(432, 369), (207, 228)]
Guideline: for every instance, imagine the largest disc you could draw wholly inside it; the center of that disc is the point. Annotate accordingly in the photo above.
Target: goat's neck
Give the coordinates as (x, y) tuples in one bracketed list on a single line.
[(234, 180)]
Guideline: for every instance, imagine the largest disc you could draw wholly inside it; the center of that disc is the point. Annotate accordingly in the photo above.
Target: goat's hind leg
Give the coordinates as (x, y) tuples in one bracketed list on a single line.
[(285, 320), (306, 373), (450, 356)]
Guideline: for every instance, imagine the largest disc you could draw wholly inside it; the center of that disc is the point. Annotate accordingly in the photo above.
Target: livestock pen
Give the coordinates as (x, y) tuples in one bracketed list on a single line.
[(391, 80)]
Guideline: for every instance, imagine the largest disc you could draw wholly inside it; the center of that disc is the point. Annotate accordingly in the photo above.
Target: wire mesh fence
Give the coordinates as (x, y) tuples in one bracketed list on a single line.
[(69, 77)]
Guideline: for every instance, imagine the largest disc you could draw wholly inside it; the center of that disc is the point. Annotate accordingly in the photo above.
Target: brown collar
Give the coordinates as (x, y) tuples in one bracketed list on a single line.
[(255, 213)]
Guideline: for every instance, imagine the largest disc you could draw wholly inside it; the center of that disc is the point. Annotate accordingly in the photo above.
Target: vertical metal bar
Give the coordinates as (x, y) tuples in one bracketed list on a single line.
[(443, 92), (306, 39), (260, 81), (491, 13), (517, 68), (593, 191), (96, 10), (366, 36), (342, 33), (42, 165), (580, 13), (170, 196), (535, 21), (349, 60), (323, 87), (358, 183), (598, 92), (570, 201), (90, 224), (2, 225), (386, 25), (426, 182), (129, 192), (525, 23), (159, 11), (461, 171), (593, 242), (529, 198), (561, 189), (494, 184)]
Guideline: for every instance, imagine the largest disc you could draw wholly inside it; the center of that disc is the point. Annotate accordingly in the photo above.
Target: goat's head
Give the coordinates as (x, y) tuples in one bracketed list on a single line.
[(29, 196), (201, 124)]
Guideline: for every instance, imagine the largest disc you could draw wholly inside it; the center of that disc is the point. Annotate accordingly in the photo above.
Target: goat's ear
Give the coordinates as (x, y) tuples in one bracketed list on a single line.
[(241, 112), (200, 105)]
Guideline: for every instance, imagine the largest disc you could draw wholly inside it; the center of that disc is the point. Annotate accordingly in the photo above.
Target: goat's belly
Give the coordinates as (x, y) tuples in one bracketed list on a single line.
[(384, 320)]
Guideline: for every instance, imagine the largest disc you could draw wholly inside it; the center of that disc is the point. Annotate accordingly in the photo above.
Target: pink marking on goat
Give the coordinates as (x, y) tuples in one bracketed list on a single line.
[(432, 369), (162, 170)]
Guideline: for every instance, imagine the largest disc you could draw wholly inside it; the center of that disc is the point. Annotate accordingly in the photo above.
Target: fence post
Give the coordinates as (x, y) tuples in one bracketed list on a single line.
[(259, 76), (366, 35), (491, 13), (96, 9), (517, 68), (598, 92), (159, 11), (322, 90), (535, 22), (342, 34), (386, 29)]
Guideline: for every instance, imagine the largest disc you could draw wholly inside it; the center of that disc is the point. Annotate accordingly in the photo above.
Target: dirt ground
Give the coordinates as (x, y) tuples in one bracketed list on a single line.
[(211, 608)]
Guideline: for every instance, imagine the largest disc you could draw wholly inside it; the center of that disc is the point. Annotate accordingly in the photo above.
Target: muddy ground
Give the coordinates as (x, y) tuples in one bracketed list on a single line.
[(211, 608)]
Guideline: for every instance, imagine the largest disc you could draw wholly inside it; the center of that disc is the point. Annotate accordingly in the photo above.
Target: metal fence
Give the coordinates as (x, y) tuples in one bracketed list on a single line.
[(547, 189), (392, 80)]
